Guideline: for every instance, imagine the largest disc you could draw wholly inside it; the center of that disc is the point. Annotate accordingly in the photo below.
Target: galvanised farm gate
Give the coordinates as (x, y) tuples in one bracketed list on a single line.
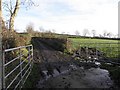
[(15, 66)]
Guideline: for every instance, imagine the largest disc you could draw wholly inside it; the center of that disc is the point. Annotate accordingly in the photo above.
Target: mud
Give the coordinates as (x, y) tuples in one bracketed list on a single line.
[(62, 71), (78, 78)]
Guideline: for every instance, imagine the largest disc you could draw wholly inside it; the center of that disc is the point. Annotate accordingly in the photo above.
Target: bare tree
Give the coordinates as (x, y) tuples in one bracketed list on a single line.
[(41, 29), (12, 7), (104, 33), (53, 30), (85, 32), (93, 33), (77, 33), (30, 28), (109, 35), (100, 35)]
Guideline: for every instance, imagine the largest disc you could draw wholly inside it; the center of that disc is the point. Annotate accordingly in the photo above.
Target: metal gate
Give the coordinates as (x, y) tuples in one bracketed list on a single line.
[(16, 66)]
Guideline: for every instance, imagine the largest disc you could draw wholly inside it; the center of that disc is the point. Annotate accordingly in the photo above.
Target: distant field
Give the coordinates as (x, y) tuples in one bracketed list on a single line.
[(109, 47)]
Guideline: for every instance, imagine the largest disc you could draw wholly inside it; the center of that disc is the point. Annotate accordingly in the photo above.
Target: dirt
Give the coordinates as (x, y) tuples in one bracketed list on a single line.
[(59, 70), (44, 53), (80, 78)]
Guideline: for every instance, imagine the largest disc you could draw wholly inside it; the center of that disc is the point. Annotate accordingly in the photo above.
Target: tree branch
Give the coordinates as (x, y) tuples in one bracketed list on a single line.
[(17, 6), (6, 7), (11, 8)]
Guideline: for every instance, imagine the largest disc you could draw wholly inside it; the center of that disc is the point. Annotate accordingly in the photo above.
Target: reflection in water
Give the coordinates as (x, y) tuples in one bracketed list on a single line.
[(92, 77)]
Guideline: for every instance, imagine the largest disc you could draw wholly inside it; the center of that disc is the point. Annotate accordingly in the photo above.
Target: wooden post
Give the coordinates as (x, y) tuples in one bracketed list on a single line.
[(0, 54)]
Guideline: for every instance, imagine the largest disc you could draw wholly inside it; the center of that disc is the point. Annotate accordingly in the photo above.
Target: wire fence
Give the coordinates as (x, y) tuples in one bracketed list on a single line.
[(17, 65)]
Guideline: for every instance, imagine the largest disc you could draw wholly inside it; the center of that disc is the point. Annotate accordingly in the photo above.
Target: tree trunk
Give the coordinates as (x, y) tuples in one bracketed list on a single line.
[(1, 18), (11, 23), (0, 14), (0, 8), (13, 15)]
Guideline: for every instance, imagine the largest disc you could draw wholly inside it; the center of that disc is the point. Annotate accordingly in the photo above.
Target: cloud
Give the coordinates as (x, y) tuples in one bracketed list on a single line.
[(71, 15)]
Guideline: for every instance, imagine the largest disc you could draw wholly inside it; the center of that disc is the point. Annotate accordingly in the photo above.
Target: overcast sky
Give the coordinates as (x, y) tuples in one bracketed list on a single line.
[(71, 15)]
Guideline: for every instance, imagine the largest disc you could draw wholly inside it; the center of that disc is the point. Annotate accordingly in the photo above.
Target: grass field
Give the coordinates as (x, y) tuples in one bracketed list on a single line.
[(109, 47)]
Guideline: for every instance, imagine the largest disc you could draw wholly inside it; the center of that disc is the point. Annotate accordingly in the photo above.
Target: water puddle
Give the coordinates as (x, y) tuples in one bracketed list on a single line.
[(55, 74), (93, 77), (98, 77)]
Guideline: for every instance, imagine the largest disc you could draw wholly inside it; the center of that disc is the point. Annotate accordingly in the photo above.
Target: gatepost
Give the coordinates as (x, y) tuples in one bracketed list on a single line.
[(0, 54)]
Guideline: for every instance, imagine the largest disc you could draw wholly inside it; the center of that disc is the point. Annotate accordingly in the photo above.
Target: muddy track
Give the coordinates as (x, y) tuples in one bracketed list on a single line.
[(47, 57), (47, 53), (53, 62)]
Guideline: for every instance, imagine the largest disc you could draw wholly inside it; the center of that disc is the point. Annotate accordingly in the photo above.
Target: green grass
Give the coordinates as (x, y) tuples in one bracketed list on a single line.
[(109, 47)]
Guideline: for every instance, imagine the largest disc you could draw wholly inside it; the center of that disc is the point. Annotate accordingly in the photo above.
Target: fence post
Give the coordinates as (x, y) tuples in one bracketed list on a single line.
[(0, 68), (0, 62), (0, 53)]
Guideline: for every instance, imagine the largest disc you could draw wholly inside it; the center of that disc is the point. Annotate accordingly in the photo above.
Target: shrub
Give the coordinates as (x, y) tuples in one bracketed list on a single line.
[(12, 39)]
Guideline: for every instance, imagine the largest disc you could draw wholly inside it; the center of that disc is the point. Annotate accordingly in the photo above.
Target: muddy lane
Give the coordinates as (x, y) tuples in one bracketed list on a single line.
[(47, 53), (65, 73)]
